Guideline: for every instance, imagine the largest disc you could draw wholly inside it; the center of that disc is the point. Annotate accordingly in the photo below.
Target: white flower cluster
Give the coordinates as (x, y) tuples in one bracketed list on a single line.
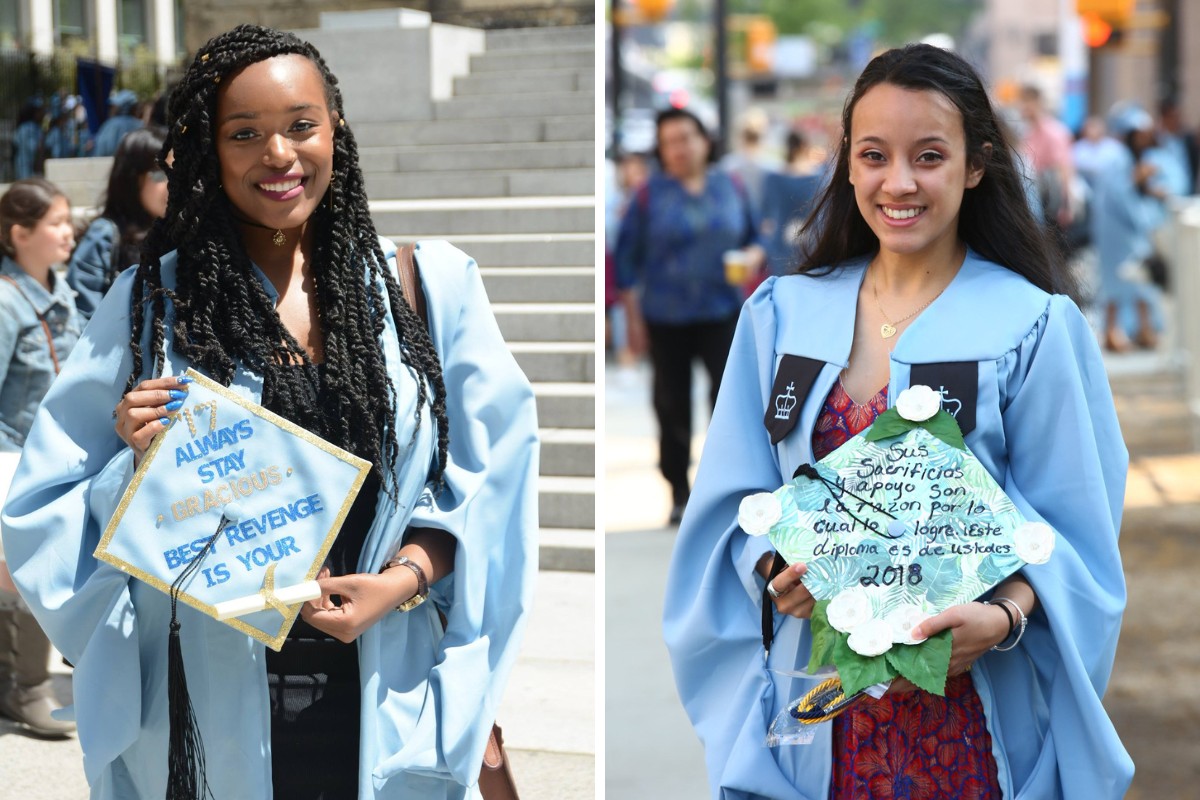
[(1034, 542), (757, 513), (850, 612), (918, 403)]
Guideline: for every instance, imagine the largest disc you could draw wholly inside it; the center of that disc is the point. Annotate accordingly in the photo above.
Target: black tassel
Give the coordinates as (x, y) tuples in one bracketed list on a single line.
[(835, 491), (186, 776)]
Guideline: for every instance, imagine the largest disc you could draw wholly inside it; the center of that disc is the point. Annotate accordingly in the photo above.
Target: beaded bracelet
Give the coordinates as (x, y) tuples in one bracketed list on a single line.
[(1020, 627)]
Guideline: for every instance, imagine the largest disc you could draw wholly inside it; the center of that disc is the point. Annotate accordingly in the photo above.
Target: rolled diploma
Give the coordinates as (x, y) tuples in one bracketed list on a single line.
[(288, 595)]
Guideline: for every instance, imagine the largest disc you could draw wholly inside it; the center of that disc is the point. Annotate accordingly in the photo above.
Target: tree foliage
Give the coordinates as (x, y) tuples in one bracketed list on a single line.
[(897, 21)]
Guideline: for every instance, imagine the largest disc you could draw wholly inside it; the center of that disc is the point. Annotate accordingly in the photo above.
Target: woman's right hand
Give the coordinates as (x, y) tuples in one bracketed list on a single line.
[(794, 598), (145, 411)]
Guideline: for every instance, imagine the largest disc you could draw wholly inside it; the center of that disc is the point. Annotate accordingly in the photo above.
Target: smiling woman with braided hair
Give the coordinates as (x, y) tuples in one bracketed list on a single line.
[(267, 275)]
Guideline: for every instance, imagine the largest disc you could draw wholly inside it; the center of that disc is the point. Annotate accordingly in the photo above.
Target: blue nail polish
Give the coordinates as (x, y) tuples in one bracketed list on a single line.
[(174, 405), (177, 394), (165, 421), (185, 379)]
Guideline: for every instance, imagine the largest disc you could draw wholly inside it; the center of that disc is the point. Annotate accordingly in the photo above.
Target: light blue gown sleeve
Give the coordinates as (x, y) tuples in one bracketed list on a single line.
[(489, 504), (712, 618), (89, 264), (73, 470), (1067, 466)]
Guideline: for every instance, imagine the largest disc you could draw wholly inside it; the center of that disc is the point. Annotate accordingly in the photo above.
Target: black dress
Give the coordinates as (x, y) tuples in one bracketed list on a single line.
[(313, 684)]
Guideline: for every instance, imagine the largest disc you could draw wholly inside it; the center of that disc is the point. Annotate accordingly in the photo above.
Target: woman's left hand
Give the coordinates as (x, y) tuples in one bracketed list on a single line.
[(974, 629), (365, 599)]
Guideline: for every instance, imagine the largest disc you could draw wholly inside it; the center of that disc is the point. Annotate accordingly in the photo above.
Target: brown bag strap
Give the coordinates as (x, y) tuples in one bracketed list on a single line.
[(410, 281), (41, 319)]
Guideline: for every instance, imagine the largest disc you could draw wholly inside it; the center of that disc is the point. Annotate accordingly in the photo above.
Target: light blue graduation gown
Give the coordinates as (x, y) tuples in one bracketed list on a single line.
[(428, 700), (1045, 429)]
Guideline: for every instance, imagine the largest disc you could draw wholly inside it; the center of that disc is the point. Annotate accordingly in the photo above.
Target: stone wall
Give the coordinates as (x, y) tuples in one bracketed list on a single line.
[(203, 19)]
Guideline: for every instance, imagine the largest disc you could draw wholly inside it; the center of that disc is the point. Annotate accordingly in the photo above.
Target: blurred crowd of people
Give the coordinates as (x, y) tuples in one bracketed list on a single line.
[(51, 280), (689, 234), (58, 126)]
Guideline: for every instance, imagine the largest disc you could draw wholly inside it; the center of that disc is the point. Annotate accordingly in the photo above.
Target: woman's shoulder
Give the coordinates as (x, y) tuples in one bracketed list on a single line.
[(100, 228)]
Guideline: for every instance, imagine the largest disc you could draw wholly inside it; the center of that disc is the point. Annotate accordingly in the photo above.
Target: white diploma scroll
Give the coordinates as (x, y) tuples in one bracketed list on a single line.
[(292, 595)]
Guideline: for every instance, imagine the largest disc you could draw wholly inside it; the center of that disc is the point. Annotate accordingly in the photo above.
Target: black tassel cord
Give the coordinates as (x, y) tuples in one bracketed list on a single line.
[(836, 491), (186, 776)]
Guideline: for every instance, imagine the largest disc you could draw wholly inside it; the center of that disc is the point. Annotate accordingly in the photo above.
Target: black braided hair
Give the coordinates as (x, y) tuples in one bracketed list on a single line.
[(223, 317)]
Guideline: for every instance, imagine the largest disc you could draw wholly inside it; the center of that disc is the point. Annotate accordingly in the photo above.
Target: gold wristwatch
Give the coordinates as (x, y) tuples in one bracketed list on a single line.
[(422, 584)]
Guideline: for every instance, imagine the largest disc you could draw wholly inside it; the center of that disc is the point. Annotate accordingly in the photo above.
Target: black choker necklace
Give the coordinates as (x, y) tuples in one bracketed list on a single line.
[(280, 239)]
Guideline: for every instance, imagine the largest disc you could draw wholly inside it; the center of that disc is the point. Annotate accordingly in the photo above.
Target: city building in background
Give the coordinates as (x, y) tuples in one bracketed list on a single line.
[(206, 18), (795, 59)]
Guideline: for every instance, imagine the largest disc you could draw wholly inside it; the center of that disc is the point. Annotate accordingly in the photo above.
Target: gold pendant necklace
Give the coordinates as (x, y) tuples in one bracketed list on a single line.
[(888, 329), (279, 239)]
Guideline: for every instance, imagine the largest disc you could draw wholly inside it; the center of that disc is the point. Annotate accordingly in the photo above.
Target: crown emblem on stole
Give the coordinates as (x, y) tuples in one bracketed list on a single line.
[(784, 403)]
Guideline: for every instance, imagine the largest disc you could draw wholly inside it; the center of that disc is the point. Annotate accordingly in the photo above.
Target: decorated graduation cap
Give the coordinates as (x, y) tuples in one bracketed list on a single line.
[(232, 511), (898, 524)]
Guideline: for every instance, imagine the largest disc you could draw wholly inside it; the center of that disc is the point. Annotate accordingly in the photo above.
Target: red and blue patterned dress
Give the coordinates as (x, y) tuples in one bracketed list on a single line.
[(913, 746)]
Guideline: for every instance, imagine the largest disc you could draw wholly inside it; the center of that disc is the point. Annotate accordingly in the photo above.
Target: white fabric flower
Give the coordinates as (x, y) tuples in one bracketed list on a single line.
[(848, 609), (1034, 542), (758, 512), (918, 403), (872, 638), (903, 620)]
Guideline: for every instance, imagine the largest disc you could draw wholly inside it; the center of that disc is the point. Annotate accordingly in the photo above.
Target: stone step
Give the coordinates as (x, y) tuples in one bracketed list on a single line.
[(451, 218), (566, 405), (431, 158), (567, 502), (546, 322), (556, 361), (540, 284), (564, 36), (82, 180), (578, 57), (524, 250), (568, 451), (571, 128), (516, 105), (526, 80), (480, 183), (62, 170), (549, 703), (563, 549)]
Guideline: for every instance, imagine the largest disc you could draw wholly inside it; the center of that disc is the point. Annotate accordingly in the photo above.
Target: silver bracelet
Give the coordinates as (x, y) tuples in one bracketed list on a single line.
[(1020, 626)]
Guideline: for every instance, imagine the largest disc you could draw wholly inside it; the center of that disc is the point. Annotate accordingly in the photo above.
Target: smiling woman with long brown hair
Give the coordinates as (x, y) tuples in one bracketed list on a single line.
[(926, 268), (267, 275)]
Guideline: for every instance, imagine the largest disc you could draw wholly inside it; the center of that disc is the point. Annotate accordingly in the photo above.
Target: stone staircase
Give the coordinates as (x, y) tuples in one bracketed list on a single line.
[(501, 162), (486, 139)]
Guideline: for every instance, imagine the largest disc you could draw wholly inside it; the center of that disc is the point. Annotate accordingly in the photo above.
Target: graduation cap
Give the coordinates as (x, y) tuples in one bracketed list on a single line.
[(232, 510), (898, 524)]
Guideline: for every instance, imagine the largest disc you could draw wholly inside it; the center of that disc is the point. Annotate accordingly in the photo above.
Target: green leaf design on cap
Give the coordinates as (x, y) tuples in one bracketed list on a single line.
[(824, 636), (942, 425), (925, 664), (858, 672)]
